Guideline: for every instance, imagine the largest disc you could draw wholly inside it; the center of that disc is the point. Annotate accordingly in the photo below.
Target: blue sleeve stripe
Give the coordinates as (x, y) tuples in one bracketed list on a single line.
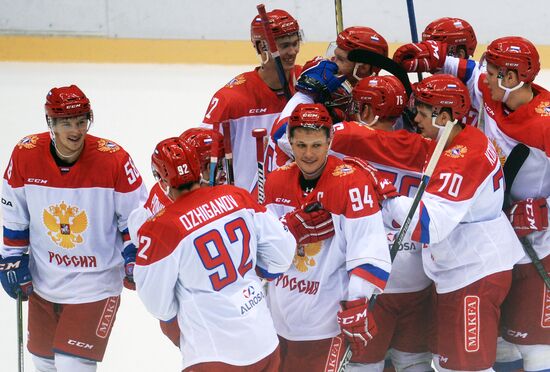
[(16, 234), (374, 270), (470, 66), (266, 274), (279, 132), (425, 225)]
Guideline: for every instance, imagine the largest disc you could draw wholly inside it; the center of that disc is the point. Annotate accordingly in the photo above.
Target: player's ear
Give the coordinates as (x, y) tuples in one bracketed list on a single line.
[(511, 77)]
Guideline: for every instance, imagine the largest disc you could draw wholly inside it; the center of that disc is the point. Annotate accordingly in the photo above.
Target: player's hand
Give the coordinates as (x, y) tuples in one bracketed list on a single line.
[(528, 215), (309, 224), (383, 187), (129, 255), (357, 323), (425, 56), (319, 78), (15, 276)]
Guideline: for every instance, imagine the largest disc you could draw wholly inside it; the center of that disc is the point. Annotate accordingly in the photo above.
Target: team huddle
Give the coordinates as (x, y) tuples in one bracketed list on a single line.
[(397, 227)]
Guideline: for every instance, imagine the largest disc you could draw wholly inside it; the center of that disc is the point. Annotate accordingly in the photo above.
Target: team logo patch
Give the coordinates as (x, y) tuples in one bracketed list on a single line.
[(303, 259), (65, 224), (28, 142), (545, 320), (107, 317), (543, 109), (343, 170), (104, 145), (238, 80), (285, 167), (457, 151), (471, 323)]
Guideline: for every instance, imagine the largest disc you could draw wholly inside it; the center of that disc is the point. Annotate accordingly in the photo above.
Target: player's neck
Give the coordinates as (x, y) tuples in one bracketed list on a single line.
[(457, 128), (520, 97), (268, 73)]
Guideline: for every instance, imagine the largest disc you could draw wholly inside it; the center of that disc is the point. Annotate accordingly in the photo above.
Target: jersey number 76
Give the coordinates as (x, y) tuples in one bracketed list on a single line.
[(215, 255)]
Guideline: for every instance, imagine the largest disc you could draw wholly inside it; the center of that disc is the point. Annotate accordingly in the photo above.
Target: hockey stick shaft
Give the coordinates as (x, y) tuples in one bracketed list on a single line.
[(339, 16), (214, 157), (259, 134), (226, 126), (423, 184), (273, 50), (20, 352), (412, 25)]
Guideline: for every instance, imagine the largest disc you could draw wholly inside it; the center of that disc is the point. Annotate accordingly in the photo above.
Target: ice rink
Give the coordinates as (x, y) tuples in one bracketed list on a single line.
[(136, 106)]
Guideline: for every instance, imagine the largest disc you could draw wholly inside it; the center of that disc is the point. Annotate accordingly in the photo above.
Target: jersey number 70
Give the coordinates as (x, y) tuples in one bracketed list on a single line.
[(215, 255)]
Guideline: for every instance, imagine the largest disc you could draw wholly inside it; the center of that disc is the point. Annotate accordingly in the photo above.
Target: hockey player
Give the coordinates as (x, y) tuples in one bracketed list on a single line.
[(402, 312), (254, 99), (460, 41), (462, 200), (357, 37), (66, 246), (347, 264), (196, 263), (516, 112)]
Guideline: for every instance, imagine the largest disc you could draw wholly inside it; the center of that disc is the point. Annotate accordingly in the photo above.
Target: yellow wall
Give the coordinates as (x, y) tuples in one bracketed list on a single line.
[(104, 50)]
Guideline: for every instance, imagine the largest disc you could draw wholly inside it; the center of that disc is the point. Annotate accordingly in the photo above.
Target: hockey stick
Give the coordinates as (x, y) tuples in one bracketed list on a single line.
[(214, 157), (226, 126), (423, 184), (511, 167), (339, 16), (273, 50), (412, 25), (259, 134), (20, 352)]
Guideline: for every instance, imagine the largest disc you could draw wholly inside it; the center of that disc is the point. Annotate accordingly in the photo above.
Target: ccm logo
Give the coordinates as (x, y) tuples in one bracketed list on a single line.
[(257, 111), (40, 181), (80, 344), (517, 334), (471, 323), (355, 318)]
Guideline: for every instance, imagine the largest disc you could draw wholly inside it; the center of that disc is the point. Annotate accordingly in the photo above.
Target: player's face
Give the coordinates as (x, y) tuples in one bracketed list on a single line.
[(221, 176), (310, 148), (491, 80), (345, 66), (70, 133), (423, 120), (289, 47)]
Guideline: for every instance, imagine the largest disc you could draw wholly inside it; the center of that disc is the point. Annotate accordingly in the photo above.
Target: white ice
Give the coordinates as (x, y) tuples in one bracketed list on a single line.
[(136, 106)]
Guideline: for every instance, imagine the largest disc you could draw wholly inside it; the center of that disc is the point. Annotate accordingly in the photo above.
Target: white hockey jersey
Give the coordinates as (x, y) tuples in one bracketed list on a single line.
[(156, 202), (460, 216), (530, 125), (399, 156), (247, 103), (196, 261), (304, 301), (73, 223)]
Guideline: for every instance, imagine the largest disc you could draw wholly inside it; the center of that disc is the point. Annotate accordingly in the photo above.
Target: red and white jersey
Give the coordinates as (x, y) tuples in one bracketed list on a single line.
[(305, 300), (247, 103), (399, 156), (156, 202), (73, 222), (196, 261), (530, 125), (460, 216), (278, 151)]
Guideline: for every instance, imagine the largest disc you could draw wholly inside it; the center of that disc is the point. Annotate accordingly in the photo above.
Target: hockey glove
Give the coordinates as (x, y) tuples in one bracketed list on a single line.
[(357, 323), (129, 255), (319, 79), (309, 224), (15, 276), (528, 215), (382, 186), (426, 56)]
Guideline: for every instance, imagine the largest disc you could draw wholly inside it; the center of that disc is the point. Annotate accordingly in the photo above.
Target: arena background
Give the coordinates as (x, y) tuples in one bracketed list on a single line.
[(150, 69)]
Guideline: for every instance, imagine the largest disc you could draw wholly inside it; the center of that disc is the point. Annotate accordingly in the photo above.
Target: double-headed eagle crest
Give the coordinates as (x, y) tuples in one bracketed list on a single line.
[(65, 224)]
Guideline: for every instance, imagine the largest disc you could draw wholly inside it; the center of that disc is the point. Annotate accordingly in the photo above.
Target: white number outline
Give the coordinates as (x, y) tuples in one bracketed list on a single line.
[(146, 241), (454, 187), (213, 103), (358, 202)]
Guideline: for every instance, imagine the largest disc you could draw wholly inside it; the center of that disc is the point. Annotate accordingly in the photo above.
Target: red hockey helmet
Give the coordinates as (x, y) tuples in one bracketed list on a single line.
[(202, 139), (281, 23), (515, 53), (385, 95), (440, 91), (452, 31), (67, 102), (359, 37), (175, 162), (310, 115)]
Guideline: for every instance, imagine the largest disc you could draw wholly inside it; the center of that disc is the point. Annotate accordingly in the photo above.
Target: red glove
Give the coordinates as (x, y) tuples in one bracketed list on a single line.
[(309, 224), (357, 324), (528, 215), (426, 56), (382, 186)]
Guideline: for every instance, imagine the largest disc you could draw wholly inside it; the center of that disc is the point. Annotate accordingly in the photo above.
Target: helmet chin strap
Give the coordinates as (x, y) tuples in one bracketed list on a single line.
[(507, 91), (374, 121), (440, 128), (355, 68), (52, 136)]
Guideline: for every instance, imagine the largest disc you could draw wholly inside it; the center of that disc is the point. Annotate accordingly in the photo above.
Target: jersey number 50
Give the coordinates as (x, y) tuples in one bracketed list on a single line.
[(215, 255)]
